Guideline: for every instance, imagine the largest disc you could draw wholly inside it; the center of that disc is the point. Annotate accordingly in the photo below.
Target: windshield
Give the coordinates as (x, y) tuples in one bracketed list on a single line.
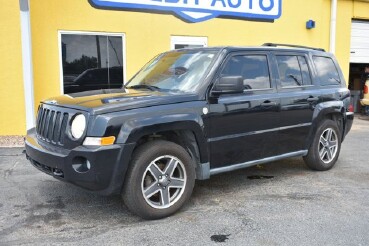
[(174, 71)]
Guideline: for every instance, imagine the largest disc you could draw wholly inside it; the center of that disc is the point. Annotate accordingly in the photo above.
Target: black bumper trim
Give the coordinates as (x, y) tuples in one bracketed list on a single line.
[(46, 169), (108, 164)]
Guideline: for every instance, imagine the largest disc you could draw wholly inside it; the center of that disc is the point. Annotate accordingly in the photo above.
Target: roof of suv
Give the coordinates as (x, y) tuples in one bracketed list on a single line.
[(259, 48)]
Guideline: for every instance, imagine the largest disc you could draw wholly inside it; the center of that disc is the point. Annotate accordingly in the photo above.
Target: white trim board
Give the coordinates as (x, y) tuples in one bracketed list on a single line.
[(189, 40), (28, 83)]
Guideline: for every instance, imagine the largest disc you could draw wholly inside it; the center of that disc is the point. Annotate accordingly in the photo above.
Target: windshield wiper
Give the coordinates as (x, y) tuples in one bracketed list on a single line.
[(144, 86)]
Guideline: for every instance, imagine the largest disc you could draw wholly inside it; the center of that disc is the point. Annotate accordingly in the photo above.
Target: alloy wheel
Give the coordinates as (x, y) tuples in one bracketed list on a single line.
[(328, 145), (163, 182)]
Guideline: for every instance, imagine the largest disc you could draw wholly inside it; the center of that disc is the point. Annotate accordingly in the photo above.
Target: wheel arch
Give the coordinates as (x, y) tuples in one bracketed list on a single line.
[(333, 110), (187, 132)]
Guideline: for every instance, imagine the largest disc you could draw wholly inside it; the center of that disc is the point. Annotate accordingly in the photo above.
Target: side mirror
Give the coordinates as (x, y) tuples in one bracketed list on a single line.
[(228, 85)]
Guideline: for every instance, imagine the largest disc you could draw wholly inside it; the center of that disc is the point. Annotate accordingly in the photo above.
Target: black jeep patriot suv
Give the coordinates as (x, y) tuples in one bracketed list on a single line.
[(192, 113)]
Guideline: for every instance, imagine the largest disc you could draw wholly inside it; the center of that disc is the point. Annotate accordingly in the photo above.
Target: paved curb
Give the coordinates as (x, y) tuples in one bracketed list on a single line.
[(11, 141)]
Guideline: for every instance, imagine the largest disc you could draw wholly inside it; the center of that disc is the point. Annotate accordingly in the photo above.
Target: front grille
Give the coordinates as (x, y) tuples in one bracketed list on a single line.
[(51, 125)]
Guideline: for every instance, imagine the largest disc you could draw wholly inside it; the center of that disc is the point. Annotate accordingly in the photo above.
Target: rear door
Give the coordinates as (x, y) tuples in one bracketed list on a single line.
[(298, 96), (243, 126)]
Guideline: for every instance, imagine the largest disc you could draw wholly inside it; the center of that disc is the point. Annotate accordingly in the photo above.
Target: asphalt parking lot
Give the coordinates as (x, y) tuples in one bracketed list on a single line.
[(281, 203)]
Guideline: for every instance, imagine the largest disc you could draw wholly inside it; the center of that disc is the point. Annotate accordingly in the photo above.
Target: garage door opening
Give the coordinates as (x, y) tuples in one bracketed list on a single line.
[(356, 84), (359, 59)]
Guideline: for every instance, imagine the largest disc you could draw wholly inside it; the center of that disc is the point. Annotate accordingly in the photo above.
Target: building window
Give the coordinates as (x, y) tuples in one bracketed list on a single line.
[(91, 61), (180, 42)]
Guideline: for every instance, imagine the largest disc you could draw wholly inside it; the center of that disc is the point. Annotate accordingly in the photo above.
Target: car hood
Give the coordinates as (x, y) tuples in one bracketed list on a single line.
[(105, 101)]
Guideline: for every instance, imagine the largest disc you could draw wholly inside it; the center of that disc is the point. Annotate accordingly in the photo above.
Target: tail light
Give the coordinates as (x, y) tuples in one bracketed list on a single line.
[(351, 108), (366, 89)]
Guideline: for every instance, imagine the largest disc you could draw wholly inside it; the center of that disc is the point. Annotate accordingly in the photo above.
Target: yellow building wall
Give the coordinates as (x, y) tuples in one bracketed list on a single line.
[(348, 10), (12, 111), (361, 10), (343, 35)]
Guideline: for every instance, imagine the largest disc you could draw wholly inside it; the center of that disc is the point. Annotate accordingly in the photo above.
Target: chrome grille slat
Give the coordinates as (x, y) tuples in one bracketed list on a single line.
[(51, 126), (39, 114), (41, 124), (56, 133), (63, 127), (45, 124), (46, 130)]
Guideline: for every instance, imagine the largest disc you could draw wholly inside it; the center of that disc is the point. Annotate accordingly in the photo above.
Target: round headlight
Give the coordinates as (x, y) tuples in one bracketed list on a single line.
[(78, 126)]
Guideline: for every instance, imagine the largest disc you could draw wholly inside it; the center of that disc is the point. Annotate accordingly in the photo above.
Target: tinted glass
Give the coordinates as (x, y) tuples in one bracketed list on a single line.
[(327, 71), (252, 68), (306, 79), (289, 71), (91, 62), (178, 71)]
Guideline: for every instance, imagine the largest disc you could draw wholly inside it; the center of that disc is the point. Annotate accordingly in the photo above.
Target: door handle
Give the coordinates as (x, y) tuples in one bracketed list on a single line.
[(268, 104), (313, 99)]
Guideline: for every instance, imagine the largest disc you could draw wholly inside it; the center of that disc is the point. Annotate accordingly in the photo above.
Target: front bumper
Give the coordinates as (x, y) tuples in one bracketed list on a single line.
[(108, 164)]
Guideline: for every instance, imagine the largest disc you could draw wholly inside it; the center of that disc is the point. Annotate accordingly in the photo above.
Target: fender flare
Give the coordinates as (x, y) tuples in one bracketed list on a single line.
[(134, 129), (322, 111)]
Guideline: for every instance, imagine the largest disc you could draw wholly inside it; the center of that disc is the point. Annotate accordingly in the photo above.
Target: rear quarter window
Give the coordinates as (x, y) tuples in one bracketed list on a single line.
[(327, 70)]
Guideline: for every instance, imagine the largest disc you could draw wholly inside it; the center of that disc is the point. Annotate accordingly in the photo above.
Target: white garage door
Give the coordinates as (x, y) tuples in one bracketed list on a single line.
[(359, 42)]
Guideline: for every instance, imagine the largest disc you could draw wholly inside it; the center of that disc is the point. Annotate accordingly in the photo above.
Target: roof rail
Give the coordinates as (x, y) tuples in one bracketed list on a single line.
[(294, 46)]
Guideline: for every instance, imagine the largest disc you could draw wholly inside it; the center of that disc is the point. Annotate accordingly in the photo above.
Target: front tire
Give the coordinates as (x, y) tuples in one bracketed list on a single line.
[(159, 181), (325, 148)]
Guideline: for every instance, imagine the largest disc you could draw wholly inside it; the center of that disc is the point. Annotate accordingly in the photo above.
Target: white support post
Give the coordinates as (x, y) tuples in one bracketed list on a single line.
[(332, 43), (27, 63)]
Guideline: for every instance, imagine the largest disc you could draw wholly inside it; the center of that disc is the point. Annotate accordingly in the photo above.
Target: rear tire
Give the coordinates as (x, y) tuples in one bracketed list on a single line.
[(325, 148), (159, 181)]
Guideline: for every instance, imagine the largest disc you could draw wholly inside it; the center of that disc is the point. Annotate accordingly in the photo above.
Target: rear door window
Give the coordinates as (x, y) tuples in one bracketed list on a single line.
[(293, 70), (327, 70)]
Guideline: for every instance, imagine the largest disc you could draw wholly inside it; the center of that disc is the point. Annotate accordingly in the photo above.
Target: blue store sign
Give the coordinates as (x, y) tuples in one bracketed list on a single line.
[(201, 10)]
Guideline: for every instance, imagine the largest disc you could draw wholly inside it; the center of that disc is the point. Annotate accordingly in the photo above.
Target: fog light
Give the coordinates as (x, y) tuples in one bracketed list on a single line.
[(81, 164)]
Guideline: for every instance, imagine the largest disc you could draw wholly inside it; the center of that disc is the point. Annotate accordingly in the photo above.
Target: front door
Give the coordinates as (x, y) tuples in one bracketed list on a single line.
[(243, 127)]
